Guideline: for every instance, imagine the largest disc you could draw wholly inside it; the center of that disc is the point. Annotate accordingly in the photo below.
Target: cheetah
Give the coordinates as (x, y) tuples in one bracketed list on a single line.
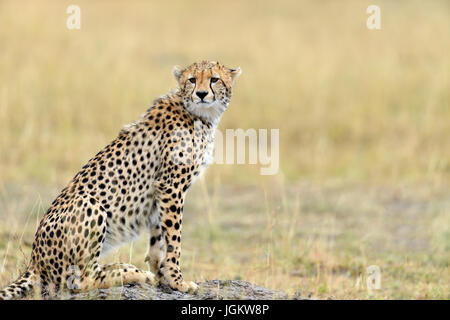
[(136, 183)]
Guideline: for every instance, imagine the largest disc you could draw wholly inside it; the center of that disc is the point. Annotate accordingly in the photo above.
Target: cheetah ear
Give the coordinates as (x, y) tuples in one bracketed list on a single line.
[(177, 70), (235, 73)]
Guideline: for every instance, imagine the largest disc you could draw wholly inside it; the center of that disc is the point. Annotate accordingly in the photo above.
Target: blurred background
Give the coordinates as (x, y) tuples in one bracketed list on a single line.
[(364, 119)]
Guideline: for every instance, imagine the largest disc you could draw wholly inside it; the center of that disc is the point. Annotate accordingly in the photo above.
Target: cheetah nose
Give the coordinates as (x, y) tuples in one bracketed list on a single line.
[(201, 94)]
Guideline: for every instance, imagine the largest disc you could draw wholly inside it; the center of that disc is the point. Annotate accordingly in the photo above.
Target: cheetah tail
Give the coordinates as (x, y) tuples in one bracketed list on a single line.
[(19, 288)]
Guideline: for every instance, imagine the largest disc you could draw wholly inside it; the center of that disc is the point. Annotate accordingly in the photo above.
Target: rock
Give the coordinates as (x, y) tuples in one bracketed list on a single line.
[(208, 290)]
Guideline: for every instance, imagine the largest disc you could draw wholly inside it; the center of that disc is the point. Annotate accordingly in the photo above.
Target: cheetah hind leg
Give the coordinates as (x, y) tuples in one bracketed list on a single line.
[(113, 275)]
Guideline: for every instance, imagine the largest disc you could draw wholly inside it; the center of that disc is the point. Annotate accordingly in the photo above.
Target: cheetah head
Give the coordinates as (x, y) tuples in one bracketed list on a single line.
[(206, 88)]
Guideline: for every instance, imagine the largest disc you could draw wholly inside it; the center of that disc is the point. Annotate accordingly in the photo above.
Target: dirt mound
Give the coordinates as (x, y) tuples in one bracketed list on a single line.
[(208, 290)]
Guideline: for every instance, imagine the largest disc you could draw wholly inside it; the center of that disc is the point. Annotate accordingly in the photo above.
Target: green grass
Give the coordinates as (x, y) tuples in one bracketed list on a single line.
[(363, 118)]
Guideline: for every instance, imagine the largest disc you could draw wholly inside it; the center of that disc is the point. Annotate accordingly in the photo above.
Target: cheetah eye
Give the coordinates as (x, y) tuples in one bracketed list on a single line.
[(192, 80), (213, 80)]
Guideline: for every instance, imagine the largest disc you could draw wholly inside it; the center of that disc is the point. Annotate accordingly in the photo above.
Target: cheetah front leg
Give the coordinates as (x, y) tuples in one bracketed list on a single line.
[(156, 249), (170, 212)]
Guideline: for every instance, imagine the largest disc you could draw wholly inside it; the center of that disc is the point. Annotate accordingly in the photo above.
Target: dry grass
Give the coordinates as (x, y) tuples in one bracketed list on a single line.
[(316, 240), (363, 117)]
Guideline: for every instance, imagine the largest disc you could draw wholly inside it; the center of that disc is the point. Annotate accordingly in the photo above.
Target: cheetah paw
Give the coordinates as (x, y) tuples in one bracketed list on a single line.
[(151, 279), (188, 287), (193, 287), (185, 287)]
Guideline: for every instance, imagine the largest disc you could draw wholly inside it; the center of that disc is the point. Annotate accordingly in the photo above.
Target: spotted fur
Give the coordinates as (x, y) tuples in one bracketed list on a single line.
[(136, 183)]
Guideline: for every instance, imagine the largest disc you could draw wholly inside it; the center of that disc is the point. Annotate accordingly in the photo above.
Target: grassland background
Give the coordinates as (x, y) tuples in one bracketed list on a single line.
[(364, 120)]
